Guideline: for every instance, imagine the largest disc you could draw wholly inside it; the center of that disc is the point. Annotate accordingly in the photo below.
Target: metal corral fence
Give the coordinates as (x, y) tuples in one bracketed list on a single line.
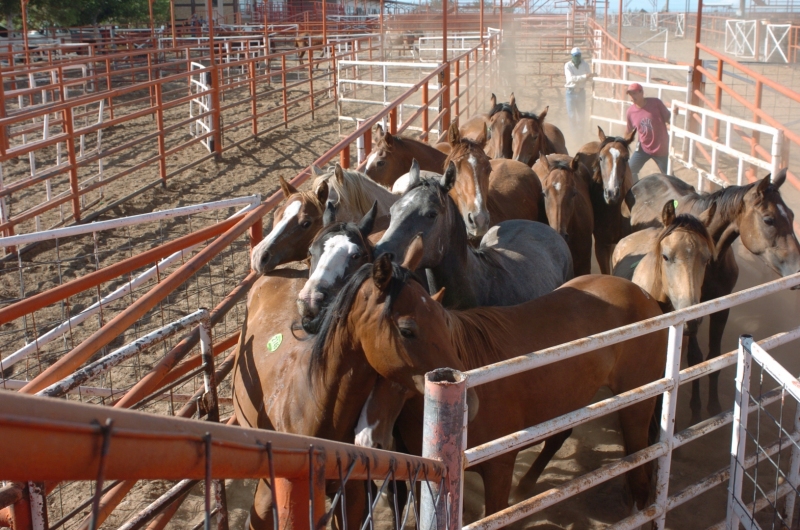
[(140, 360), (668, 440), (69, 130)]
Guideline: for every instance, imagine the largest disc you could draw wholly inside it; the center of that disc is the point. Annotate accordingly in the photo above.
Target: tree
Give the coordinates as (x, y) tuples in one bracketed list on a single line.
[(64, 13)]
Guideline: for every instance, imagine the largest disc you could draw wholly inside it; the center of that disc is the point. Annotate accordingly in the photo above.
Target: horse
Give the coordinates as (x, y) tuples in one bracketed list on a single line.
[(489, 191), (568, 206), (385, 319), (305, 40), (610, 183), (515, 262), (297, 222), (531, 136), (406, 40), (338, 250), (501, 120), (392, 155), (755, 212)]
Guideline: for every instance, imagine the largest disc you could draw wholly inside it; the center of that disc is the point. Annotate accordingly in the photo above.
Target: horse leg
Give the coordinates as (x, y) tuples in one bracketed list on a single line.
[(497, 475), (635, 422), (260, 517), (551, 447), (603, 252), (695, 356), (355, 507), (716, 327)]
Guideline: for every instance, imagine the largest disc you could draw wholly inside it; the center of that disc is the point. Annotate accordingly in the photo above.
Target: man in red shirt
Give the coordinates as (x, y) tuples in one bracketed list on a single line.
[(649, 116)]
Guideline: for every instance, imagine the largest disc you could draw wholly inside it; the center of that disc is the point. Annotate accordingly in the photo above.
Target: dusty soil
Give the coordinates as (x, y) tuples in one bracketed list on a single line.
[(253, 168)]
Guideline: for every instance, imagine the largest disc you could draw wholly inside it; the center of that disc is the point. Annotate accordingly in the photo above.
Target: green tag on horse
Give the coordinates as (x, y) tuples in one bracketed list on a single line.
[(274, 342), (675, 204)]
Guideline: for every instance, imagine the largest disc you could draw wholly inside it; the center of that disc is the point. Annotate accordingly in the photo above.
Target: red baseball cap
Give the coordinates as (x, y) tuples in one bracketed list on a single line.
[(635, 87)]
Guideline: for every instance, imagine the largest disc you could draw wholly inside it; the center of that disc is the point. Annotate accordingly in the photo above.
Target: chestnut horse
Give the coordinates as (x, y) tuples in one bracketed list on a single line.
[(501, 120), (297, 222), (532, 136), (306, 40), (382, 318), (392, 155), (516, 261), (755, 212), (611, 181), (488, 191), (568, 206)]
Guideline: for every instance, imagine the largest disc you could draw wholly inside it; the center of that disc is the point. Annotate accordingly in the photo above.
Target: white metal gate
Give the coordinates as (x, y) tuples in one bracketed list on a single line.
[(200, 105), (776, 43), (722, 139), (740, 38)]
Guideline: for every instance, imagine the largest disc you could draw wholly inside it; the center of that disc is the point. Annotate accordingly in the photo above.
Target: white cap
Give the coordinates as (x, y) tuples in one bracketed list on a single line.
[(576, 51)]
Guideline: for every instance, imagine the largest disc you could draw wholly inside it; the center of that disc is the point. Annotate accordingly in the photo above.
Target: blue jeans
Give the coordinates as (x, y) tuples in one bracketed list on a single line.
[(576, 110), (638, 160)]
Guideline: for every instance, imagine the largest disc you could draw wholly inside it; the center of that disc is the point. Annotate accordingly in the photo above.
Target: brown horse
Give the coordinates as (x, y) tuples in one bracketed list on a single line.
[(487, 191), (568, 206), (532, 136), (305, 40), (391, 322), (755, 212), (610, 183), (294, 225), (501, 120), (392, 155)]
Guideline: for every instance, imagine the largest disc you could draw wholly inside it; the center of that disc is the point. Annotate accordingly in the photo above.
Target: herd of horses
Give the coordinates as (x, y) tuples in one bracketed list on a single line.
[(472, 251)]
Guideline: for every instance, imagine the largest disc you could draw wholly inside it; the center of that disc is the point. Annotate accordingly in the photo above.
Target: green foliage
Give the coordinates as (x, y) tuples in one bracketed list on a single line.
[(65, 13)]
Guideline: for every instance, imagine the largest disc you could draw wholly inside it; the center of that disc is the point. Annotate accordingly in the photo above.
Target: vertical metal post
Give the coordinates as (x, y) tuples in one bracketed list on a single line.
[(359, 149), (445, 106), (425, 115), (741, 405), (172, 21), (367, 142), (383, 49), (480, 23), (24, 9), (444, 437), (73, 163), (216, 122), (696, 76), (393, 121), (793, 476), (619, 25), (668, 419), (344, 157), (256, 233), (162, 158)]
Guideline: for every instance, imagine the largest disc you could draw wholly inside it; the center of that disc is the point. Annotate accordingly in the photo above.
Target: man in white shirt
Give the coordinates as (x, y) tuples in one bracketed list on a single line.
[(577, 73)]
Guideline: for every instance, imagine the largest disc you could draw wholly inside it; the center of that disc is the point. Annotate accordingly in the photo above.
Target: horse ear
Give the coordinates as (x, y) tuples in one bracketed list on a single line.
[(382, 271), (630, 136), (368, 221), (388, 139), (494, 100), (764, 184), (329, 217), (543, 114), (322, 192), (544, 161), (708, 216), (448, 180), (287, 189), (668, 213), (379, 131), (576, 163), (514, 108), (780, 177), (453, 134), (414, 253), (600, 133), (438, 297), (339, 173)]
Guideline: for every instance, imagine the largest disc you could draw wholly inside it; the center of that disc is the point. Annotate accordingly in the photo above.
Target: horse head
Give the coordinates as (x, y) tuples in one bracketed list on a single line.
[(294, 225), (611, 166), (427, 209), (336, 253), (681, 253), (560, 191), (471, 168), (765, 224), (383, 164), (502, 119), (528, 137)]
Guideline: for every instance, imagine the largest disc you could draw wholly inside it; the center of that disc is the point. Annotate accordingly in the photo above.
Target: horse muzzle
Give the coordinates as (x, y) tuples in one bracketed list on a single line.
[(309, 305), (611, 196), (477, 224)]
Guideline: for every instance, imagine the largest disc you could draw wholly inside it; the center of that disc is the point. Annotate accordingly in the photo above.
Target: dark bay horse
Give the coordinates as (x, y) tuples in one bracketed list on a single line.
[(568, 206), (392, 155), (755, 213), (515, 262), (611, 180), (389, 321), (501, 120), (488, 191), (532, 136)]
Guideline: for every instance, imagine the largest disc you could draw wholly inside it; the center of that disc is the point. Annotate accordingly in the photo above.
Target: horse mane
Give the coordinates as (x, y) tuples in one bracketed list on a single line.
[(338, 310), (560, 164), (728, 200), (686, 223), (398, 140), (354, 194), (469, 332), (311, 197), (501, 107), (530, 116), (613, 139), (462, 149)]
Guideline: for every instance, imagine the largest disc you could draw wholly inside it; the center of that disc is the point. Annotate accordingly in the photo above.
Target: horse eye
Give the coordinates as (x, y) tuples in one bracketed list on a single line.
[(407, 333), (431, 215), (665, 257), (769, 221), (355, 256), (381, 163), (305, 224)]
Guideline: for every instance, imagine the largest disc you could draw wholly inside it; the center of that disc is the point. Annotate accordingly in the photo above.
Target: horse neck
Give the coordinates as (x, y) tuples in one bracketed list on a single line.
[(426, 155), (724, 229), (476, 335), (361, 193), (648, 275), (459, 268)]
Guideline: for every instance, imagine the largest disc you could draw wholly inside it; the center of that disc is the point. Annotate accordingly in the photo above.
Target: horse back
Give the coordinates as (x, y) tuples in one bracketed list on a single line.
[(515, 192), (556, 137), (646, 199)]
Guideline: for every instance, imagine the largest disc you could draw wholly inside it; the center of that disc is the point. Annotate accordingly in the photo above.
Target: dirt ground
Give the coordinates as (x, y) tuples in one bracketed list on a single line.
[(254, 167)]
